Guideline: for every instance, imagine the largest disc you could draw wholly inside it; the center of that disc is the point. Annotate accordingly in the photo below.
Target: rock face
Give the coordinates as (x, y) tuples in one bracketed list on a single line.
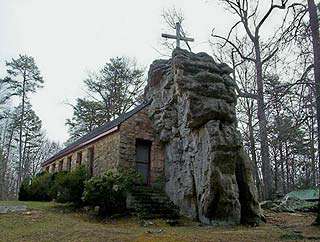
[(208, 175)]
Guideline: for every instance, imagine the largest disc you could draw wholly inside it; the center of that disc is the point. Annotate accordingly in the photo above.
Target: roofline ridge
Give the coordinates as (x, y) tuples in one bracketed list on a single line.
[(77, 144)]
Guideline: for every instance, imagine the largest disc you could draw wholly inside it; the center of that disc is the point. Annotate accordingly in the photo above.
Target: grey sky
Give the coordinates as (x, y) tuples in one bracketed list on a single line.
[(68, 38)]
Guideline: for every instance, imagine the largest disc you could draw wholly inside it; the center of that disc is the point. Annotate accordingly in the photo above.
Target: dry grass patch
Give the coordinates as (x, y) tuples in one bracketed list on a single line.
[(49, 222)]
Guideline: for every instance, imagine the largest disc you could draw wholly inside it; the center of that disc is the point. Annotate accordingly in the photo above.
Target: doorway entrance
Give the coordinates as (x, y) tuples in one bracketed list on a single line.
[(143, 148)]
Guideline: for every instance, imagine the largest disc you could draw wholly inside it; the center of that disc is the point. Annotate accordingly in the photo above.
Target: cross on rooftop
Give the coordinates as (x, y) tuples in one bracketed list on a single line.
[(178, 37)]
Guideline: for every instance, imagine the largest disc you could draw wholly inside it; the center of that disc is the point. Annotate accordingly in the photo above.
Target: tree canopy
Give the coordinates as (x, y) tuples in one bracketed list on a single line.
[(112, 91)]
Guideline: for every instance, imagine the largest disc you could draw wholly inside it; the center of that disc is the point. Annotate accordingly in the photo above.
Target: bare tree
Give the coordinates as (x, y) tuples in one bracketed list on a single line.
[(172, 16), (244, 74), (259, 55), (314, 26), (43, 151)]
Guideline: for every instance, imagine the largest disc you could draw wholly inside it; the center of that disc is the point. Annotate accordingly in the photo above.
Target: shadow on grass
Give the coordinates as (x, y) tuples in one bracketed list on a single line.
[(86, 213), (297, 236)]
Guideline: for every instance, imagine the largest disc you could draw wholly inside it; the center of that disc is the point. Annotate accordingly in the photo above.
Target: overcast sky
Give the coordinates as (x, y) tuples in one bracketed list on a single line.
[(68, 38)]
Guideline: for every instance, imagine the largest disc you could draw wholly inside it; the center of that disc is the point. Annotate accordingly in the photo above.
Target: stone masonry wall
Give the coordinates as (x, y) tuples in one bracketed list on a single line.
[(118, 148), (139, 126), (106, 155), (208, 175)]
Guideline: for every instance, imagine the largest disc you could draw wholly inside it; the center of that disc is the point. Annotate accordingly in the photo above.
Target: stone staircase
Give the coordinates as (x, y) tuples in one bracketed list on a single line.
[(149, 202)]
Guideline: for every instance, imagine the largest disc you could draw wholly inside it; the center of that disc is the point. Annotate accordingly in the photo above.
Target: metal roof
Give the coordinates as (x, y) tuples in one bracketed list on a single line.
[(95, 133)]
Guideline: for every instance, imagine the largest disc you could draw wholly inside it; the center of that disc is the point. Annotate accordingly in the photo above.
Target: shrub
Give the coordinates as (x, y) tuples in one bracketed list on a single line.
[(69, 186), (57, 177), (40, 187), (24, 191), (159, 183), (36, 188), (109, 190)]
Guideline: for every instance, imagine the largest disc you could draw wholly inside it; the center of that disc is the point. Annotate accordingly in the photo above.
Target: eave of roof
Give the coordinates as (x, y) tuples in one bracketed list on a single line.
[(95, 134)]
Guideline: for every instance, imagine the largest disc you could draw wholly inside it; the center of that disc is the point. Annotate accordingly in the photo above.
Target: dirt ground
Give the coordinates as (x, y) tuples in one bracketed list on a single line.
[(298, 226), (49, 222)]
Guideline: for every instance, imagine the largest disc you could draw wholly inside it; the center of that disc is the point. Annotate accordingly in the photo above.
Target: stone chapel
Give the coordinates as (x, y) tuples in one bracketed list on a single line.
[(186, 132), (126, 141)]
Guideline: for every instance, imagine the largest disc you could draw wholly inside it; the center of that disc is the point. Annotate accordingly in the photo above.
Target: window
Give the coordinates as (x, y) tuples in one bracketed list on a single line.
[(69, 164), (60, 165), (143, 158), (91, 159), (79, 158), (53, 169)]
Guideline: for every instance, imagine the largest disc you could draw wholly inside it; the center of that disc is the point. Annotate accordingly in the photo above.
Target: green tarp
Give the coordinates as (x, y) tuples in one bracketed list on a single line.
[(307, 194)]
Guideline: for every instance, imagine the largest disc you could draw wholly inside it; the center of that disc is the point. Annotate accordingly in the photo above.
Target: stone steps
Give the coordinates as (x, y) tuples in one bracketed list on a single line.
[(149, 203)]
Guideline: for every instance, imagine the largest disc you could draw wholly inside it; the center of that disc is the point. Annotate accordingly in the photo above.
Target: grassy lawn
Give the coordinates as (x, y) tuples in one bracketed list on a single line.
[(49, 222)]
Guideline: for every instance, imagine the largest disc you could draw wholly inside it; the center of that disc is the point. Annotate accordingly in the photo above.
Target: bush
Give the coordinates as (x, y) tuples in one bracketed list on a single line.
[(109, 190), (62, 186), (24, 191), (159, 183), (37, 188), (57, 177), (69, 186)]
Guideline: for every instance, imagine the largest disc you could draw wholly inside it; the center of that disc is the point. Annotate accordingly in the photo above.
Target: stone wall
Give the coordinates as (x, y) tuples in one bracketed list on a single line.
[(106, 155), (118, 148), (140, 127), (208, 175)]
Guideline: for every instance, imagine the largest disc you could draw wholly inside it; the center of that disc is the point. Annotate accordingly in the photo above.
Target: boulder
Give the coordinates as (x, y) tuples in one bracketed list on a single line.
[(12, 209), (208, 175), (290, 205)]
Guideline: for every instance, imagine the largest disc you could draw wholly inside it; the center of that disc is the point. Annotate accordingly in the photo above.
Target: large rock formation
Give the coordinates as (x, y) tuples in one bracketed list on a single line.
[(208, 175)]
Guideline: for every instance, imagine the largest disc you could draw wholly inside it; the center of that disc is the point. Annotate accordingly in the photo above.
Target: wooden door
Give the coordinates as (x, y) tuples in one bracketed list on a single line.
[(143, 148)]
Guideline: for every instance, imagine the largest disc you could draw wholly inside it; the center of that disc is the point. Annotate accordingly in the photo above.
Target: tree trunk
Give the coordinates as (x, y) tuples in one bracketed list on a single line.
[(3, 164), (24, 160), (312, 150), (265, 157), (284, 187), (253, 152), (293, 169), (314, 24), (20, 134), (5, 167), (308, 170), (287, 167), (276, 170)]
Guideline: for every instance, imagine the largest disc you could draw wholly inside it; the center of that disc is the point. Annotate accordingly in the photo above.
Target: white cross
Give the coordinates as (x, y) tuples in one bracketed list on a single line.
[(178, 36)]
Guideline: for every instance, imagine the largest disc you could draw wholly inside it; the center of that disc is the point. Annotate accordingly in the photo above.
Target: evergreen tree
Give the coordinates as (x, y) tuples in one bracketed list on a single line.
[(23, 77), (87, 115), (113, 90)]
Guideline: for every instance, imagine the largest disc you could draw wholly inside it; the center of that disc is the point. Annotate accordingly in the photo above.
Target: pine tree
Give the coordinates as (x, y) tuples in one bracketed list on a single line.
[(113, 90), (87, 115), (23, 77)]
